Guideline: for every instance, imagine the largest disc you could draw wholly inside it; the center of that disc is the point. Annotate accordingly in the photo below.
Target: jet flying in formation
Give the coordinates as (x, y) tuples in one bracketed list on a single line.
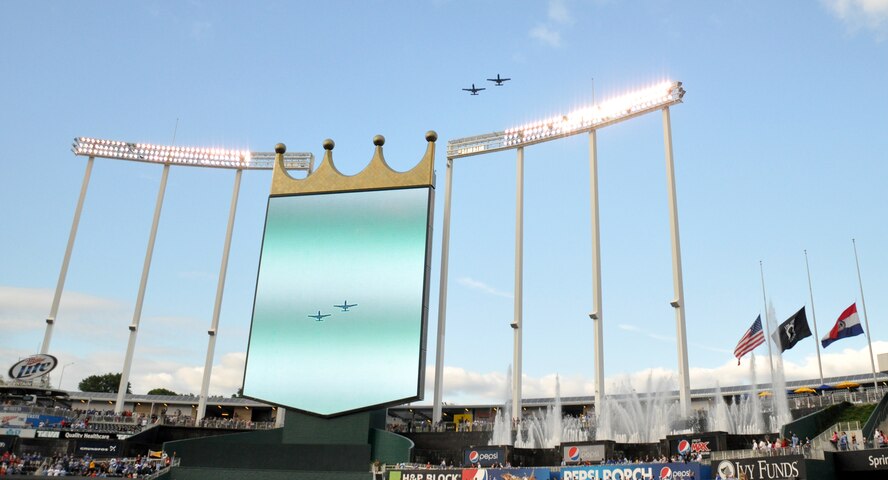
[(345, 305), (474, 90), (319, 317), (498, 81)]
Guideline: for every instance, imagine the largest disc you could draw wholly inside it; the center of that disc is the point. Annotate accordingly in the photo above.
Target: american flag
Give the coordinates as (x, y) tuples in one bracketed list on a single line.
[(751, 339)]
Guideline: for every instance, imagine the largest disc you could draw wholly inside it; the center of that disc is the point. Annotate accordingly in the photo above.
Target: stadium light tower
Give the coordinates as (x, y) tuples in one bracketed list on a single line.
[(167, 155), (585, 120)]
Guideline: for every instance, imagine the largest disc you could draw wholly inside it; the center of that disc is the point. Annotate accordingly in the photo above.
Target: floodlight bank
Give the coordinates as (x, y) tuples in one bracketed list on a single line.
[(586, 119), (187, 156)]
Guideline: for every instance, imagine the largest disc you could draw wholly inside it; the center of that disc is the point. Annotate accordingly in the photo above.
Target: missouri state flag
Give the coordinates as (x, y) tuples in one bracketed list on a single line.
[(848, 325)]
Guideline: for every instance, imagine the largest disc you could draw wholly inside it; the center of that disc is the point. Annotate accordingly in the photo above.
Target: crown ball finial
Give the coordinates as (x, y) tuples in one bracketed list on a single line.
[(329, 144), (379, 140), (280, 148), (431, 136)]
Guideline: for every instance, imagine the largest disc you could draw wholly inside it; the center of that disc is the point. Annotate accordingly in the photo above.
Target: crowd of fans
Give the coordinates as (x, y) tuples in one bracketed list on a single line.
[(879, 439), (781, 446), (86, 466), (693, 457), (106, 421)]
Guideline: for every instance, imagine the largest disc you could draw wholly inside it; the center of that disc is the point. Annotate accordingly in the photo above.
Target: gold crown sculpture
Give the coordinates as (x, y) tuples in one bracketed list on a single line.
[(375, 176)]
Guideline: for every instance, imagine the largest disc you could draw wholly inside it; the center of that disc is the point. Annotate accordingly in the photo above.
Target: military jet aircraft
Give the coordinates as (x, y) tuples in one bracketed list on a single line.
[(474, 90), (319, 317), (498, 81), (345, 305)]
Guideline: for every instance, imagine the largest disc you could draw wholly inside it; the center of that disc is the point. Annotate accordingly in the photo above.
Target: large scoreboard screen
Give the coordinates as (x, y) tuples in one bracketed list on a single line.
[(341, 304)]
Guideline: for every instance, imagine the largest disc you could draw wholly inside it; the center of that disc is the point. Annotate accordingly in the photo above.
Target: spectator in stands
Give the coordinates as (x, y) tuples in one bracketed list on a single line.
[(843, 442)]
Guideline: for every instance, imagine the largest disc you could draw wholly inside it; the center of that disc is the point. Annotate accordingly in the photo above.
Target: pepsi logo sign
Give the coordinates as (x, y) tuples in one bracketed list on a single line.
[(33, 367), (573, 454), (665, 473), (685, 447), (481, 457)]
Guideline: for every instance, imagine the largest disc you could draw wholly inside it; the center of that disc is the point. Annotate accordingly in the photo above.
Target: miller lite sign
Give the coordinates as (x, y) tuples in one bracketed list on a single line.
[(33, 367)]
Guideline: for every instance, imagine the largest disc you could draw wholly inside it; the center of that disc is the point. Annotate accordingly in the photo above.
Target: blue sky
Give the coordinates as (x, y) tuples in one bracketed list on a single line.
[(779, 147)]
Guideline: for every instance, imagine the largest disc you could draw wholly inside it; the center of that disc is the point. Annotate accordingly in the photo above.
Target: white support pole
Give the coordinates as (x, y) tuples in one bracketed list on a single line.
[(519, 285), (217, 307), (137, 314), (596, 314), (63, 273), (442, 296), (869, 336), (814, 318), (767, 326), (684, 392), (280, 417)]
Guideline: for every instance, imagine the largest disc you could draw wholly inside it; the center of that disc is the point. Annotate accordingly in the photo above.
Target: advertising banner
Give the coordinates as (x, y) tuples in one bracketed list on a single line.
[(474, 474), (574, 454), (18, 432), (33, 367), (81, 435), (704, 444), (640, 471), (762, 468), (507, 474), (13, 420), (28, 420), (98, 448), (865, 461), (484, 456), (443, 474)]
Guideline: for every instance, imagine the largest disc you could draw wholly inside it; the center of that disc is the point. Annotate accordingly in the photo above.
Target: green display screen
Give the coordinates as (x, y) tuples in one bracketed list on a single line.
[(339, 316)]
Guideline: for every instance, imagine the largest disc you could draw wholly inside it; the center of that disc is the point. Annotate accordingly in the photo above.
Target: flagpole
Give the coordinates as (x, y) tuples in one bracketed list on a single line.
[(869, 340), (767, 323), (814, 318)]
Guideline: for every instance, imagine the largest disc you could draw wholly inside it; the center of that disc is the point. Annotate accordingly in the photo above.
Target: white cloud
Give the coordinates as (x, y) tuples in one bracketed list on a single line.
[(481, 286), (546, 35), (25, 308), (90, 339), (857, 14), (227, 376), (557, 15), (462, 386), (558, 12), (151, 370)]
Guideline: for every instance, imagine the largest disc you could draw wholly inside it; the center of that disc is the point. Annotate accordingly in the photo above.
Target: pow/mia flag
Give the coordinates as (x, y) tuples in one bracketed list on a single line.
[(792, 330)]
